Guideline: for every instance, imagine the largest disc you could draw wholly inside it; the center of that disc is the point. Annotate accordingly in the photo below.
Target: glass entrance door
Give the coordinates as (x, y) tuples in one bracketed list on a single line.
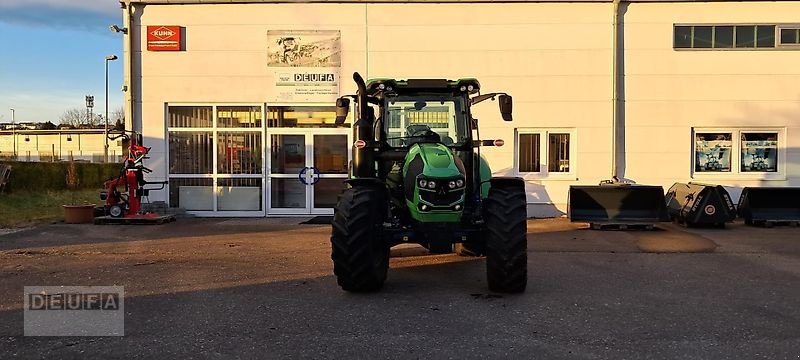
[(307, 170)]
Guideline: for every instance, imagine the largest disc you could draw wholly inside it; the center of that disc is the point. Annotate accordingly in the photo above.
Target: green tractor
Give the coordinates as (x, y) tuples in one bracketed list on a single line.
[(417, 177)]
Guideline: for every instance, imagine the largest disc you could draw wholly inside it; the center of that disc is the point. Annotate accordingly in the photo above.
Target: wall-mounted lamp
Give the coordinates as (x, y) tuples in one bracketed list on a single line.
[(117, 29), (27, 138), (69, 137)]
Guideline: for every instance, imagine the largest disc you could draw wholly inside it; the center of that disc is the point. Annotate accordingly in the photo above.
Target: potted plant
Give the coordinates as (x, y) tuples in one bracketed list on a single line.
[(75, 213)]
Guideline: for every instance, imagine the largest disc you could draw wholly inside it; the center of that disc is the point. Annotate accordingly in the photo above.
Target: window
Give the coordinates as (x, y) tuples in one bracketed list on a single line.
[(765, 36), (790, 35), (303, 117), (215, 157), (745, 36), (558, 153), (712, 151), (545, 151), (410, 116), (739, 152), (528, 153), (759, 152), (724, 36)]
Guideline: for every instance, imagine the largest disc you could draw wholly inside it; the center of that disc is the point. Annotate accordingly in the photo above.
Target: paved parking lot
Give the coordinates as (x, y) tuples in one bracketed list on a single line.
[(264, 288)]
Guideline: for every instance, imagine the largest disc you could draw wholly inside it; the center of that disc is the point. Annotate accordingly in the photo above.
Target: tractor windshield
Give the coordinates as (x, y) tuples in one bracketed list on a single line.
[(410, 119)]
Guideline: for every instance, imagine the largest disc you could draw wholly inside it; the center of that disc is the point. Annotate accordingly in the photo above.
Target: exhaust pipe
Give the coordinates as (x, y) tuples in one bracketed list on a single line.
[(364, 157)]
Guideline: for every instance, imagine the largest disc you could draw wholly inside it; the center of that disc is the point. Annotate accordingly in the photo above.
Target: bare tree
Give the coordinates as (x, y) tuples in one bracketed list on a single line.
[(73, 117), (117, 115), (78, 117), (117, 118)]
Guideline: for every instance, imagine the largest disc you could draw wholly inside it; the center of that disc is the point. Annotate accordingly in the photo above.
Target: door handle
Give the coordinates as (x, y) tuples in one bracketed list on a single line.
[(302, 175), (315, 175)]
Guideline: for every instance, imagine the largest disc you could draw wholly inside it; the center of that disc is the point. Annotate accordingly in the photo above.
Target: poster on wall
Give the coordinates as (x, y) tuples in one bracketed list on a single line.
[(305, 64)]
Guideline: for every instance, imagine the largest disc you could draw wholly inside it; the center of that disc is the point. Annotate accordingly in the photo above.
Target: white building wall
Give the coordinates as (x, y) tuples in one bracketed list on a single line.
[(554, 58), (58, 146), (668, 92)]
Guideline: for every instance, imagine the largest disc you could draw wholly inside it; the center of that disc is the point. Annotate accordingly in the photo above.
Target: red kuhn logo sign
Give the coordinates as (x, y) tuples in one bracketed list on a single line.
[(163, 38)]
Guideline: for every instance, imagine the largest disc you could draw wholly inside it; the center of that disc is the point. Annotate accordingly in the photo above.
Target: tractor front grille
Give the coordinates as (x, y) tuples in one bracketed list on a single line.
[(441, 197)]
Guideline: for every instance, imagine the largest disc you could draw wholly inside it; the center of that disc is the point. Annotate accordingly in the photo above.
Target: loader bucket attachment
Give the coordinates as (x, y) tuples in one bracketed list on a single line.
[(700, 204), (617, 204), (773, 204)]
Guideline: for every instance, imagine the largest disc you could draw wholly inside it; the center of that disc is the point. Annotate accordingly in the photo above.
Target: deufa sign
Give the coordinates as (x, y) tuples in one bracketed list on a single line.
[(163, 38)]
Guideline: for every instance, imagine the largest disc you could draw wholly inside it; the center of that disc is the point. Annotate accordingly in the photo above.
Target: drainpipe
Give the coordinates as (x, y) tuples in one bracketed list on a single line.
[(127, 61), (615, 92)]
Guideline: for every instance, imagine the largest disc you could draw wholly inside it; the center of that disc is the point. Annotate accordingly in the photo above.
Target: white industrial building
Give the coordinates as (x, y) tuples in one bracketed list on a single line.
[(651, 91), (87, 145)]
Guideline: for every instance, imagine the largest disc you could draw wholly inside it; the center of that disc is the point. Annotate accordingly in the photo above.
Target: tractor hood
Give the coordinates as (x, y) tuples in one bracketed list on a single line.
[(434, 183), (432, 160)]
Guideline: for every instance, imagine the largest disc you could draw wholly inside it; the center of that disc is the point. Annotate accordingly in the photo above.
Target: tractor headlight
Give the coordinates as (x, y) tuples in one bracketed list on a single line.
[(423, 183), (452, 184), (431, 184), (470, 88), (463, 88), (459, 183)]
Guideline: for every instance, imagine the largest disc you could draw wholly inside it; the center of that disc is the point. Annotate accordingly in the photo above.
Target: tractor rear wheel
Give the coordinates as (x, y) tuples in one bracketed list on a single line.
[(360, 256), (506, 243)]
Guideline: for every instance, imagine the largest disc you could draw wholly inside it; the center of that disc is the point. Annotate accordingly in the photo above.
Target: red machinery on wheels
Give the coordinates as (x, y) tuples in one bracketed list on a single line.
[(126, 206)]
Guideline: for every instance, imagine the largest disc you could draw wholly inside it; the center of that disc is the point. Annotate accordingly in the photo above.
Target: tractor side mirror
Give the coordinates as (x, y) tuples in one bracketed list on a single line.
[(342, 108), (505, 106)]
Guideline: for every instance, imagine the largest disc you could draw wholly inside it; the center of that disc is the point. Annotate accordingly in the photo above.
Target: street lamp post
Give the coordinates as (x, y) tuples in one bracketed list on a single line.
[(105, 152), (14, 134)]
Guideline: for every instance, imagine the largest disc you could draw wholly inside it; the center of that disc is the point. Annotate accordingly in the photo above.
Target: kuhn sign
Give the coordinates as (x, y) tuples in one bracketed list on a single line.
[(163, 38)]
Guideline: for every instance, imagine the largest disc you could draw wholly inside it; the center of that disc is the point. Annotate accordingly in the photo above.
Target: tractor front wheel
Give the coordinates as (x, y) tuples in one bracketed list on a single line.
[(506, 243), (360, 256)]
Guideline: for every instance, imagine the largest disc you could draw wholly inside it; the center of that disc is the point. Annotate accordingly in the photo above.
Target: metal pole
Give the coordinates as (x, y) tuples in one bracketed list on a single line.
[(14, 135), (105, 132), (615, 91)]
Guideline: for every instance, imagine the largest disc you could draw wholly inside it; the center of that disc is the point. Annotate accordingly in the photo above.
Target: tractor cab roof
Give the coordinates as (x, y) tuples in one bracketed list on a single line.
[(413, 86)]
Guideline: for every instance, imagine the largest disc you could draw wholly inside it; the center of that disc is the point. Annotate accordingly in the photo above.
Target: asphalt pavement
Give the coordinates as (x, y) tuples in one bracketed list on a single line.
[(256, 288)]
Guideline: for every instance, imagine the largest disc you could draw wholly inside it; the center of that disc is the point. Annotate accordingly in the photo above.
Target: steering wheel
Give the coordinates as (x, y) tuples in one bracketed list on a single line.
[(424, 132)]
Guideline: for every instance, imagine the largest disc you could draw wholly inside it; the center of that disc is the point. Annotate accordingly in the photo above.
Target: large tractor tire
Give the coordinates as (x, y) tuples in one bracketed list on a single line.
[(360, 256), (506, 243)]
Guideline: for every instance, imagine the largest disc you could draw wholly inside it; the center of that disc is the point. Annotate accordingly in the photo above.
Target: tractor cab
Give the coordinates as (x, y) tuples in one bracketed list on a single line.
[(417, 177), (423, 130)]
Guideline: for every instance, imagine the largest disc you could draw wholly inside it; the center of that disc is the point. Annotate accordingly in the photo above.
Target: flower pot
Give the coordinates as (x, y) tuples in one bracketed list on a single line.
[(78, 214)]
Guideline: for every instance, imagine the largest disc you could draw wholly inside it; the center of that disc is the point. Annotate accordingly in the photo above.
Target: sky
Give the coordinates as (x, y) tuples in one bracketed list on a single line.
[(52, 54)]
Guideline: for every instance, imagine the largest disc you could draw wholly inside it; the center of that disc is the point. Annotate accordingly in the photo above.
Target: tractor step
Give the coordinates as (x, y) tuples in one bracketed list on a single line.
[(621, 227), (134, 220)]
